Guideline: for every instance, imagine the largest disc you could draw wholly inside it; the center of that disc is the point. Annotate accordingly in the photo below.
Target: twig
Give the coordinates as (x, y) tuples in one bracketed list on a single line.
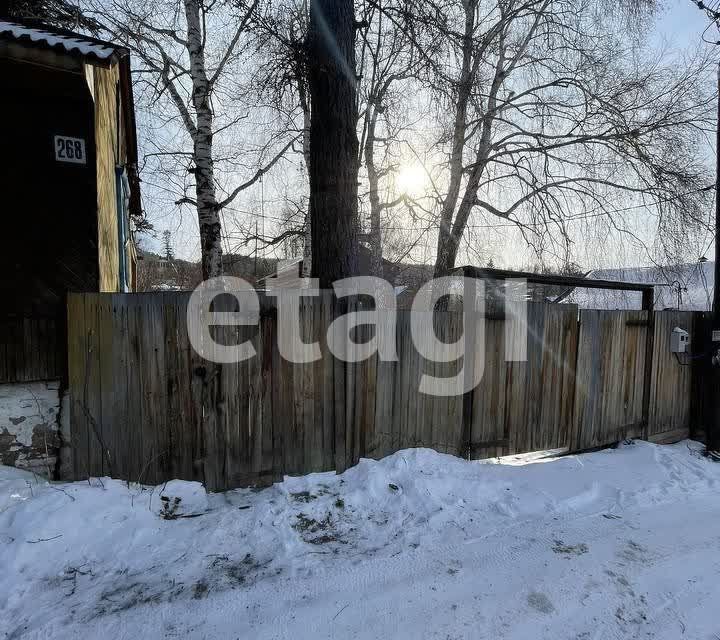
[(41, 415), (341, 610), (59, 535), (102, 484), (63, 491)]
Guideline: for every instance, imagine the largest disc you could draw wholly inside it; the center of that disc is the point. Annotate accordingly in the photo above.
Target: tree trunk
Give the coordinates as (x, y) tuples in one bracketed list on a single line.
[(448, 245), (333, 140), (375, 237), (451, 231), (307, 244), (207, 206)]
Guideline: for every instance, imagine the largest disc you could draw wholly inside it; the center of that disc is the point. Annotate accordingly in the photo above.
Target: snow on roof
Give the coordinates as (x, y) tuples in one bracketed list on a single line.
[(695, 282), (51, 38)]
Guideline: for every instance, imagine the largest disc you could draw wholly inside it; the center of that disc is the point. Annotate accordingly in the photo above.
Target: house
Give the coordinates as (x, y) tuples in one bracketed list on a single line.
[(70, 193), (686, 287)]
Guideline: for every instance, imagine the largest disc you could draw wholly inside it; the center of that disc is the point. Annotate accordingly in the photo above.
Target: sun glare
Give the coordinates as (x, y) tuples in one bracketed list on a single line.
[(412, 180)]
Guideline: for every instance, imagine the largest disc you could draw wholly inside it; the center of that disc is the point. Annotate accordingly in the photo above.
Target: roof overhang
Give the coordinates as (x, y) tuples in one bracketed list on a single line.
[(36, 35)]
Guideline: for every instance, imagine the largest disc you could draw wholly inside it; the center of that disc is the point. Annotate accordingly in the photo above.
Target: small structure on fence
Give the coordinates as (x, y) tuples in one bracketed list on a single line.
[(69, 191)]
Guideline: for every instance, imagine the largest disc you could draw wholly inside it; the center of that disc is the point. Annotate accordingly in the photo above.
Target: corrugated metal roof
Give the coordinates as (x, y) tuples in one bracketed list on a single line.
[(48, 37)]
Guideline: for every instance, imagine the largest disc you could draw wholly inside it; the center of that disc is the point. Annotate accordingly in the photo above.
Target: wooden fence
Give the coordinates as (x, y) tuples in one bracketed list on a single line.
[(145, 407)]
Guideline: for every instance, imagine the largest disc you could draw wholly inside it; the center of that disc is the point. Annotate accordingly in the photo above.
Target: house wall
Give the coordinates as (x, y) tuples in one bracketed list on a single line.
[(111, 151), (49, 225), (109, 154), (30, 426), (60, 235)]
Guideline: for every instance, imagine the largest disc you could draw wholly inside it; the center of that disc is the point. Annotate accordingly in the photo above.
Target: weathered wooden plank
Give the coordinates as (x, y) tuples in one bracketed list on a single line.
[(11, 339), (555, 383), (196, 381), (138, 454), (364, 395), (452, 407), (381, 442), (311, 389), (29, 352), (106, 382), (157, 350), (4, 345), (571, 336), (539, 349), (369, 401), (30, 349), (268, 344), (77, 363), (489, 409), (329, 366), (117, 416), (41, 347), (419, 403), (91, 397), (350, 392), (321, 400), (302, 392), (287, 415), (234, 441), (409, 385), (340, 382), (252, 421)]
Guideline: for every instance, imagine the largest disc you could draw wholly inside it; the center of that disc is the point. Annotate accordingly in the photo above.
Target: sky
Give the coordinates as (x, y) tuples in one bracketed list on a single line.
[(680, 25)]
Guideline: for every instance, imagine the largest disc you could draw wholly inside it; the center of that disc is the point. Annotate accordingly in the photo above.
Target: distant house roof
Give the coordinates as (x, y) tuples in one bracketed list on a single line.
[(553, 279), (688, 287), (37, 34)]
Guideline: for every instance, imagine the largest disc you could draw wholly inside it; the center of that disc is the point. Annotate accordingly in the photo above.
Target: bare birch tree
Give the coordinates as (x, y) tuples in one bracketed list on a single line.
[(190, 55)]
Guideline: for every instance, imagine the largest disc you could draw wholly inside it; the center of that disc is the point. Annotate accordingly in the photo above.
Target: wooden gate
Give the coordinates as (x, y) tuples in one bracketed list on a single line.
[(611, 377)]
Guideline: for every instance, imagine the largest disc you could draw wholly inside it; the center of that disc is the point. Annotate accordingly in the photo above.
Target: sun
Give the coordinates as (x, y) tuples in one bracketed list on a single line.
[(412, 180)]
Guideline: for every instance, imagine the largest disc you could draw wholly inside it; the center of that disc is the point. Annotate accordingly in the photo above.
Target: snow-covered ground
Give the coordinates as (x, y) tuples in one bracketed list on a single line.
[(622, 543)]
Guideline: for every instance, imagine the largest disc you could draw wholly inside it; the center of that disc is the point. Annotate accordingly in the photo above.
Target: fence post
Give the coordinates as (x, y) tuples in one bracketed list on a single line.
[(701, 372), (648, 303), (470, 334)]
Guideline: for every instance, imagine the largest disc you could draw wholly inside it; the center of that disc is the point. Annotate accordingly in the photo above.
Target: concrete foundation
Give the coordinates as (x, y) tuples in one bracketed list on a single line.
[(30, 427)]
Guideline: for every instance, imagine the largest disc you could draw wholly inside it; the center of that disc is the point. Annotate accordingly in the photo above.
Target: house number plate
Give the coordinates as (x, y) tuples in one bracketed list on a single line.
[(70, 150)]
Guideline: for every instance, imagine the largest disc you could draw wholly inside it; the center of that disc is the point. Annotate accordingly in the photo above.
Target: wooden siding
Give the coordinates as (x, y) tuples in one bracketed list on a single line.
[(112, 152), (30, 349), (109, 155), (61, 227), (145, 407), (49, 222)]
